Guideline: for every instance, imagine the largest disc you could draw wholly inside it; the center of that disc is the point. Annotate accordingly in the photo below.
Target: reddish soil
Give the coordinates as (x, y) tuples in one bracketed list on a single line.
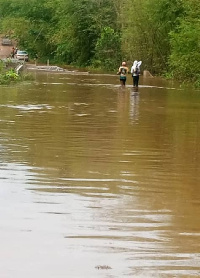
[(5, 50)]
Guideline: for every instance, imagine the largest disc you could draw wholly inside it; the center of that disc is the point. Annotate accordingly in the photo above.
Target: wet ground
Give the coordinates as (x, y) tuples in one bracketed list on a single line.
[(5, 50)]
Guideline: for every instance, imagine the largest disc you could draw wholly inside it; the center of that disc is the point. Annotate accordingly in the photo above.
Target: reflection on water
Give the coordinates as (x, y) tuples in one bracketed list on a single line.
[(134, 105), (94, 175)]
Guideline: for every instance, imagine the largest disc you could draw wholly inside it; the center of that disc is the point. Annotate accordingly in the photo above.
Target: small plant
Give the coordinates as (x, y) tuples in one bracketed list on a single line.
[(12, 75), (3, 80), (8, 76)]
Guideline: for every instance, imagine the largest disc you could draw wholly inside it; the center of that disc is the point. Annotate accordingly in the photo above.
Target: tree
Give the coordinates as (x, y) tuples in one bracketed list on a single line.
[(79, 28), (145, 27), (184, 59), (108, 50)]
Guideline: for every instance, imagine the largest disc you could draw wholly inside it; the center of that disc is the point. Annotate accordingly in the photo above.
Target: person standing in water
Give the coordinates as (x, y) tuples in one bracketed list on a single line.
[(135, 71), (123, 70)]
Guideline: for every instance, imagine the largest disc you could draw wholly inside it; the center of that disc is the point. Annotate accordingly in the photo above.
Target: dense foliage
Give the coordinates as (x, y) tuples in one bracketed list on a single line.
[(164, 34)]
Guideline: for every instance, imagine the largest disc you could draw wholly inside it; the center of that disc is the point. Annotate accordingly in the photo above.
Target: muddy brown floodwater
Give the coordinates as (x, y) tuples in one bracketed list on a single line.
[(98, 181)]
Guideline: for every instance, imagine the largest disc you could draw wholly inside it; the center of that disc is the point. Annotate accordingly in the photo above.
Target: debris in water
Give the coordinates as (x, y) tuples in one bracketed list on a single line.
[(103, 267)]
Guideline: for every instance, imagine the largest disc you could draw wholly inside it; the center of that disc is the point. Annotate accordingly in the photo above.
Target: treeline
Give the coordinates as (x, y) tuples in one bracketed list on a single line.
[(164, 34)]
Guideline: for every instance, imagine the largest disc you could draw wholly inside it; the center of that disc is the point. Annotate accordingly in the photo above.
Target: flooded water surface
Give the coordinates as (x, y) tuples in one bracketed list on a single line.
[(98, 181)]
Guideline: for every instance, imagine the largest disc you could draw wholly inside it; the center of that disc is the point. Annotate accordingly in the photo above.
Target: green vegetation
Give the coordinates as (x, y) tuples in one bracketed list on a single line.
[(11, 76), (8, 73), (8, 76), (164, 34)]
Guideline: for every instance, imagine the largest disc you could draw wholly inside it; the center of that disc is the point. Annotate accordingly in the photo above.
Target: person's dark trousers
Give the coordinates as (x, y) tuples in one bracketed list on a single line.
[(135, 81)]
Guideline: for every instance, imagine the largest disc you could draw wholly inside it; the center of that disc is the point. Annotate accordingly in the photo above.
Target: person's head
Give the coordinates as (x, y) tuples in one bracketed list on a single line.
[(123, 63)]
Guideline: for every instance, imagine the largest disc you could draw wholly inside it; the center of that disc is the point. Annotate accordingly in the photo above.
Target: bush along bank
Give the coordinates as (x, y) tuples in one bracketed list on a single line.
[(8, 73)]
